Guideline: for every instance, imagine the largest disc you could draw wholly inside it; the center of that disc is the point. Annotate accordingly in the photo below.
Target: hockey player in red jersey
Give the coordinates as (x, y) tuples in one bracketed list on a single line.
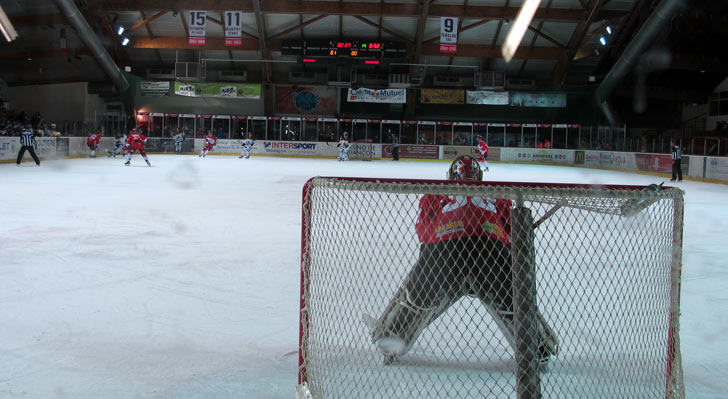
[(92, 142), (465, 249), (210, 143), (136, 142), (483, 151)]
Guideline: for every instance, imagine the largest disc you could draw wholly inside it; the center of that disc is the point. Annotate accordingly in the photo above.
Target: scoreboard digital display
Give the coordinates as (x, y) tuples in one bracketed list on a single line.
[(344, 48)]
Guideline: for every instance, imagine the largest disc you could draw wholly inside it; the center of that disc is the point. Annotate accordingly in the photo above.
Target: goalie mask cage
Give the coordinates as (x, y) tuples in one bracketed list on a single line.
[(599, 265)]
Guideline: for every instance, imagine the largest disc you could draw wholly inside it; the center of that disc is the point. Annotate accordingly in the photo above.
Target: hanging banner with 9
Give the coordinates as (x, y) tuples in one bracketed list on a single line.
[(448, 34)]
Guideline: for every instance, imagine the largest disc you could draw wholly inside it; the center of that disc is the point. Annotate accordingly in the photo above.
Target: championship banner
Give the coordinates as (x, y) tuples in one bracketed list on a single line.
[(314, 100), (154, 89), (448, 34), (197, 27), (483, 97), (225, 90), (390, 96), (441, 96), (233, 28), (541, 100)]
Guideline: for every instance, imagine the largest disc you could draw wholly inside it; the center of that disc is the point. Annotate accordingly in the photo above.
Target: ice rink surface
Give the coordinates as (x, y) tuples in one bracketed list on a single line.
[(182, 280)]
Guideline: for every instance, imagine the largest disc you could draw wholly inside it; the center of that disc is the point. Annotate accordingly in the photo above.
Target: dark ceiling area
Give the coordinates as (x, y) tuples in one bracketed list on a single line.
[(562, 48)]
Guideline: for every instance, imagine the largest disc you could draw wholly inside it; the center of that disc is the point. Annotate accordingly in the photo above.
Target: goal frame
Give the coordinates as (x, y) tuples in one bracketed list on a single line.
[(673, 367)]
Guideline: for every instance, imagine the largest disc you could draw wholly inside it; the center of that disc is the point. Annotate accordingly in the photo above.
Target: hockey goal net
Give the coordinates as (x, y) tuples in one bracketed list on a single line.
[(361, 150), (598, 267)]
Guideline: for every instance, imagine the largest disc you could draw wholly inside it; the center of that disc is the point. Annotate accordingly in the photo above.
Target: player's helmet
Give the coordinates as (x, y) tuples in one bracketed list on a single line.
[(133, 131), (465, 167)]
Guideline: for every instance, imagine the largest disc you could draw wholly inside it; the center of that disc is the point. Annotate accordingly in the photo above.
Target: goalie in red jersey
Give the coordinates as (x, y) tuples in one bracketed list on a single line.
[(136, 142), (465, 249), (483, 150)]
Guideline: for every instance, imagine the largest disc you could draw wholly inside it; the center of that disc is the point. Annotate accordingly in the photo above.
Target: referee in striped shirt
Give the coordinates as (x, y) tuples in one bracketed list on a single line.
[(676, 161), (27, 143)]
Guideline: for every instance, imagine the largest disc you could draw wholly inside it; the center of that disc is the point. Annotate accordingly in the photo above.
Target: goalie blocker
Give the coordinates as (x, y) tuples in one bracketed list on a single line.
[(465, 249)]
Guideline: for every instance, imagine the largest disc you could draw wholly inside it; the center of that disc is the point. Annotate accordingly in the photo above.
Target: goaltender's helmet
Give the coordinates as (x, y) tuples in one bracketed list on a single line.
[(465, 167)]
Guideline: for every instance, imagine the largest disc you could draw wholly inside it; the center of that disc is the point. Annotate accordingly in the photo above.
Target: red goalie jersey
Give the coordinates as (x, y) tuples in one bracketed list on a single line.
[(444, 218)]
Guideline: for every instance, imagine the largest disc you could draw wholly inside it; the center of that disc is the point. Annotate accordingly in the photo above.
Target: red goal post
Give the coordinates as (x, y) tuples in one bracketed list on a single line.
[(599, 265)]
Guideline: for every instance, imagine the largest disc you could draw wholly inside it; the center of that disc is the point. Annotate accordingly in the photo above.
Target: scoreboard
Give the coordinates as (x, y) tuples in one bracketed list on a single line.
[(344, 48)]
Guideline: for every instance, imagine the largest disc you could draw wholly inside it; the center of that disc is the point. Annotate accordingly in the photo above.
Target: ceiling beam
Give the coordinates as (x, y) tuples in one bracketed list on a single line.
[(381, 28), (577, 38), (428, 49), (40, 54), (535, 37), (151, 36), (263, 42), (146, 20), (297, 27), (539, 32), (354, 8), (40, 19), (421, 22)]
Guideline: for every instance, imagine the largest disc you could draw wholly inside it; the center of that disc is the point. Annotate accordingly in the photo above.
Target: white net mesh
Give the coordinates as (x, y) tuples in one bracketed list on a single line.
[(375, 320)]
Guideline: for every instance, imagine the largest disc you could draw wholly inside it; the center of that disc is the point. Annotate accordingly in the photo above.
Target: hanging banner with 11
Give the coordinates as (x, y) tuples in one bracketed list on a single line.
[(197, 28), (233, 28)]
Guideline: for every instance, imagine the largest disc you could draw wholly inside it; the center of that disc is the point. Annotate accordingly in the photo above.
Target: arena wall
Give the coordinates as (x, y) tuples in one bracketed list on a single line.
[(700, 167)]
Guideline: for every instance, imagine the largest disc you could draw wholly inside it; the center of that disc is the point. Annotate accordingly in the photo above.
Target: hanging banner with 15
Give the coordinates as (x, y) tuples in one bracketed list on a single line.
[(233, 28), (448, 34), (197, 27)]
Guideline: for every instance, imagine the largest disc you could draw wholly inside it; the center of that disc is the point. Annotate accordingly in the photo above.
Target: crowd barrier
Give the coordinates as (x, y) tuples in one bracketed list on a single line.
[(702, 167)]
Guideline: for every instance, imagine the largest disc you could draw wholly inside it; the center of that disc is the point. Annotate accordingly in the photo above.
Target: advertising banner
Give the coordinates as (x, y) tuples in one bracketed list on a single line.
[(452, 152), (390, 96), (536, 155), (484, 97), (233, 28), (542, 100), (289, 147), (154, 89), (318, 100), (441, 96), (197, 27), (715, 168), (661, 163), (413, 151), (448, 34), (618, 160), (225, 90)]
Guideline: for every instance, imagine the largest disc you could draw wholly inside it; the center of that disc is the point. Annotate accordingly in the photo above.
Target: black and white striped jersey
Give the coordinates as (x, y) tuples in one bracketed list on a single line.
[(27, 139), (676, 153)]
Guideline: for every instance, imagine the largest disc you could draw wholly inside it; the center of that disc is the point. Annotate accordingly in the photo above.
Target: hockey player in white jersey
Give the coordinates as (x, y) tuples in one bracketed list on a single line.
[(179, 139), (118, 146), (248, 144), (344, 146)]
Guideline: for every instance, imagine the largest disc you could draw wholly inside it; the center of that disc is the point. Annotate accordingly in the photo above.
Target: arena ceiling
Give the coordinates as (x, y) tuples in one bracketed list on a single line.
[(561, 47)]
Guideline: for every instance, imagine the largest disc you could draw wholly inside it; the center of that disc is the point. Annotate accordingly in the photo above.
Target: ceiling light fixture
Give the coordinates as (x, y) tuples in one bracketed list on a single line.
[(6, 27), (518, 28), (609, 29), (124, 41), (120, 30), (603, 40)]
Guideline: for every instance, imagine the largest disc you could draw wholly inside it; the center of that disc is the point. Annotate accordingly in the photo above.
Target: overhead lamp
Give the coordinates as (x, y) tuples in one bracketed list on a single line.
[(124, 41), (518, 28), (6, 27), (603, 40), (609, 29), (120, 30)]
